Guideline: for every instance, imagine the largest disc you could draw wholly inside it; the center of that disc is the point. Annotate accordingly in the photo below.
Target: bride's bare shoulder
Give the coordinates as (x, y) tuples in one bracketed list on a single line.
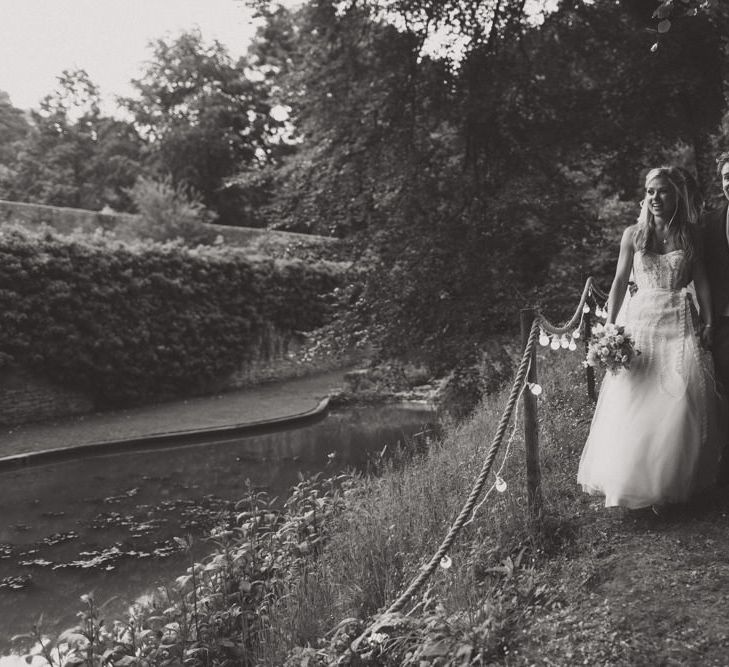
[(629, 234)]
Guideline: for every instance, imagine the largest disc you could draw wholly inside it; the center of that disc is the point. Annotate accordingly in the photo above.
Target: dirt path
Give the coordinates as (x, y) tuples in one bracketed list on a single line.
[(643, 590), (273, 400)]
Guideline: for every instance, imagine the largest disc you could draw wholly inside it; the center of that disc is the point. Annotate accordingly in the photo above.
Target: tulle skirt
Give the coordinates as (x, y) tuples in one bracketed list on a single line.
[(657, 432)]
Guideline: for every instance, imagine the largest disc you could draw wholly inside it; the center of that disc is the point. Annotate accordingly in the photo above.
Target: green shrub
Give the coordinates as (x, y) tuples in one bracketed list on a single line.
[(171, 211), (129, 322)]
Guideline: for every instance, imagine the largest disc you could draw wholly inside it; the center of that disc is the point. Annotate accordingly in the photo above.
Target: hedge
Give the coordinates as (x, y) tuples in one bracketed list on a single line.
[(130, 322)]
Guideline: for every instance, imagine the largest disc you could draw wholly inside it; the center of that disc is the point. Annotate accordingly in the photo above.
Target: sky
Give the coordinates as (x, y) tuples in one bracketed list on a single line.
[(110, 38), (107, 38)]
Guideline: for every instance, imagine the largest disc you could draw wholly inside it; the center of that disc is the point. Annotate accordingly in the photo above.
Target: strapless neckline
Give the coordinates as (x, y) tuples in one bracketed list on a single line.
[(662, 254), (668, 270)]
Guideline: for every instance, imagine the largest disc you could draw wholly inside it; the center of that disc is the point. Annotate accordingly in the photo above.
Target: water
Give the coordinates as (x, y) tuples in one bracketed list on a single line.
[(106, 523)]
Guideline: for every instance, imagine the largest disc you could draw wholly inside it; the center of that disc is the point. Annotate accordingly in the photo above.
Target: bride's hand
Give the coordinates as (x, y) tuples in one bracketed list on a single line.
[(707, 336)]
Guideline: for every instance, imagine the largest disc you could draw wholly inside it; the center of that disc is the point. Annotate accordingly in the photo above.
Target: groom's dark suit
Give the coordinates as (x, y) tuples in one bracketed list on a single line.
[(716, 259)]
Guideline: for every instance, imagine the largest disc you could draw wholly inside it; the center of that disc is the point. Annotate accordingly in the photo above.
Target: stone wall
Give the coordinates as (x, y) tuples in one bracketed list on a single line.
[(128, 227), (26, 396), (29, 397), (286, 357)]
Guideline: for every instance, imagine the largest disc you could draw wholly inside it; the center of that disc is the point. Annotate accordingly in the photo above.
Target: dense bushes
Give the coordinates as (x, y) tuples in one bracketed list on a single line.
[(129, 322)]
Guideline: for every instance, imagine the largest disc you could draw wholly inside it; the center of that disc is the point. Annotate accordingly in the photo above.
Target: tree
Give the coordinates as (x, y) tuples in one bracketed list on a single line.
[(14, 129), (469, 174), (204, 118), (75, 156)]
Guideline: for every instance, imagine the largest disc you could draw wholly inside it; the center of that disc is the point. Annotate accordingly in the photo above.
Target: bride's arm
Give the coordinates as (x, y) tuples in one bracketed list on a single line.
[(703, 292), (622, 274)]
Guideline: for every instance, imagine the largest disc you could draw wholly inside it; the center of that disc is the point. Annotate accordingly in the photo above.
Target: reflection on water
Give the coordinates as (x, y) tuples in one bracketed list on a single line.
[(106, 523)]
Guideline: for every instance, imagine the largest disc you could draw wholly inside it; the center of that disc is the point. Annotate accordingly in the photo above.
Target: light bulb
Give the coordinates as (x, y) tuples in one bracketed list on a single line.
[(543, 339), (572, 345), (535, 388), (446, 562), (555, 343), (500, 485), (564, 342), (585, 309), (576, 333)]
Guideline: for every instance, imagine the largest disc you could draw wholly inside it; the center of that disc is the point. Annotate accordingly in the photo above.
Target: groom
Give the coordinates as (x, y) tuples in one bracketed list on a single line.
[(716, 257)]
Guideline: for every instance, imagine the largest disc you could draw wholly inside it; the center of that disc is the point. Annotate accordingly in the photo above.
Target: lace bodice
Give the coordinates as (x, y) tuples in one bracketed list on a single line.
[(669, 271)]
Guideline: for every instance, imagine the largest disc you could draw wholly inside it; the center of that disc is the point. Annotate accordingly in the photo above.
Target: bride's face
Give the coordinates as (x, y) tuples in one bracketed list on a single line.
[(661, 198)]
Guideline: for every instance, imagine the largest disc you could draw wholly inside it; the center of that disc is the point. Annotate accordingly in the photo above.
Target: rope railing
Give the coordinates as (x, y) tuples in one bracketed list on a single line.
[(526, 368), (575, 319), (476, 489)]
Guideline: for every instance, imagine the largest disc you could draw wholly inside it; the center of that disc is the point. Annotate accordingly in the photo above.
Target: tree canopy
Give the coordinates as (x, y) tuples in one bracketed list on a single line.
[(478, 155), (467, 146)]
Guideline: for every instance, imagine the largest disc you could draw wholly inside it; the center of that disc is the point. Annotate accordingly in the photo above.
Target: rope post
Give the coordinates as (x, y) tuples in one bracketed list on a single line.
[(531, 425), (589, 370)]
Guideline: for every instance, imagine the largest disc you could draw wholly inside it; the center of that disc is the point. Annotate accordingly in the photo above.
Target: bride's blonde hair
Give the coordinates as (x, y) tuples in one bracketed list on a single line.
[(683, 219)]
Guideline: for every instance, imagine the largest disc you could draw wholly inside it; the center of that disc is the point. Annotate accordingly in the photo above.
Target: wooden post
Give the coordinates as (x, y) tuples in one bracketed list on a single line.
[(531, 425), (589, 370)]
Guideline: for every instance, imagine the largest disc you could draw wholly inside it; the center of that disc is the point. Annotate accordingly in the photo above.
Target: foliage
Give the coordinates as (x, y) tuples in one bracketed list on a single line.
[(197, 116), (219, 612), (133, 322), (13, 129), (470, 174), (170, 211), (74, 156), (204, 118)]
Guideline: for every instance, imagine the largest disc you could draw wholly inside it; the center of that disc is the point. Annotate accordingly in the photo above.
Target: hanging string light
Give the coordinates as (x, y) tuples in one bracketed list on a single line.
[(500, 484)]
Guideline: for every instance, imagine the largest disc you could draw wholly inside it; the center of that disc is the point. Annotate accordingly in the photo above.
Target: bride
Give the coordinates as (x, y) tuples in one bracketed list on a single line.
[(655, 435)]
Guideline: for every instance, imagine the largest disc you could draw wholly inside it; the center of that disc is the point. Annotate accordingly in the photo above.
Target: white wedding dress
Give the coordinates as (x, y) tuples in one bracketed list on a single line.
[(656, 434)]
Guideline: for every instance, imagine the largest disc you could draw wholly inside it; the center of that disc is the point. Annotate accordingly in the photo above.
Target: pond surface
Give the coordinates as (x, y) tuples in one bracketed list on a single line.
[(107, 523)]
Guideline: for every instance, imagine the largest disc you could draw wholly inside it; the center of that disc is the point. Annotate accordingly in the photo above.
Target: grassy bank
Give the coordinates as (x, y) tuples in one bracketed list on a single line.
[(592, 586)]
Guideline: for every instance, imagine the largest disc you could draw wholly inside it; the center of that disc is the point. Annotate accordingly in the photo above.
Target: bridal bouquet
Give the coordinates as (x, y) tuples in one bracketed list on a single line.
[(611, 347)]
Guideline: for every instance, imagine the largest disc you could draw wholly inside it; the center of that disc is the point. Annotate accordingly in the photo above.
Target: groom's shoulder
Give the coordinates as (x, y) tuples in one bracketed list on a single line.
[(713, 216), (716, 212)]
